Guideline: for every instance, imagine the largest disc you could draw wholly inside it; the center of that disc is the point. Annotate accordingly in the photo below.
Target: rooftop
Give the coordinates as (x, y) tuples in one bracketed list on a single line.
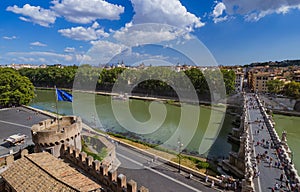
[(44, 172)]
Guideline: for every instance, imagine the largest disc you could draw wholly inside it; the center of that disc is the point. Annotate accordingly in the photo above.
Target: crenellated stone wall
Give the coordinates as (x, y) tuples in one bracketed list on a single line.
[(110, 180), (49, 135)]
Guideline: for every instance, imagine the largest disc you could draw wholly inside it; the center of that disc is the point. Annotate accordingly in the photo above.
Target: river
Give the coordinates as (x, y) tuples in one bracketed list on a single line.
[(104, 118), (291, 125)]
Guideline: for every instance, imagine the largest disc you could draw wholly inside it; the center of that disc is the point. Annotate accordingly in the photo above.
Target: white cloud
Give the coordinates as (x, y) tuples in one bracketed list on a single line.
[(254, 10), (86, 11), (43, 60), (103, 51), (84, 34), (37, 54), (81, 58), (218, 11), (39, 44), (220, 19), (69, 50), (34, 14), (170, 12), (134, 35), (156, 21), (9, 38)]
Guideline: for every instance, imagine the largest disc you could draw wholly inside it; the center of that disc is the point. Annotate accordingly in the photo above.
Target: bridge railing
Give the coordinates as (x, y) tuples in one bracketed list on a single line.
[(283, 151)]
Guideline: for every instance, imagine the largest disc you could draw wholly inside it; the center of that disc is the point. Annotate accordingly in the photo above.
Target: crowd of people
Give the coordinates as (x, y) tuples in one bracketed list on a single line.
[(268, 154)]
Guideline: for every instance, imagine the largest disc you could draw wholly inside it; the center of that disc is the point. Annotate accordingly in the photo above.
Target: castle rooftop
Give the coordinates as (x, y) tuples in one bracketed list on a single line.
[(44, 172)]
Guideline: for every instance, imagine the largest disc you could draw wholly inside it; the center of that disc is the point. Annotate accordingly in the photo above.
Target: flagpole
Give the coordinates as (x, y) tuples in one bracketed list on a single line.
[(56, 99)]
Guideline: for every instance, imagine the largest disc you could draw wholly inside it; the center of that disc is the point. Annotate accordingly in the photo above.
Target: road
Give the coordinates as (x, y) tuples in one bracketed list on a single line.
[(17, 120), (156, 176), (268, 175)]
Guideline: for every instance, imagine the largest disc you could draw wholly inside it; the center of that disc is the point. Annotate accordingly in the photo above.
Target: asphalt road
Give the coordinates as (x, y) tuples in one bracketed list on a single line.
[(268, 175), (156, 176), (14, 121)]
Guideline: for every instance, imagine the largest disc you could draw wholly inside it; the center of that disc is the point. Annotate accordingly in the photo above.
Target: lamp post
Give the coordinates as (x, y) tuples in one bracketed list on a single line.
[(180, 145)]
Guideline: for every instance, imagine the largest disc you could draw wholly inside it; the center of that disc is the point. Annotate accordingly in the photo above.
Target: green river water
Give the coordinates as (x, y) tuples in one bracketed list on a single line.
[(291, 125), (96, 110)]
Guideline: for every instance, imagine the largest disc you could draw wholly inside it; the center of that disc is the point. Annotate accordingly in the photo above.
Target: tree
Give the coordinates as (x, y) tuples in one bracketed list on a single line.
[(292, 89), (198, 80), (229, 80), (275, 86), (50, 76), (15, 89)]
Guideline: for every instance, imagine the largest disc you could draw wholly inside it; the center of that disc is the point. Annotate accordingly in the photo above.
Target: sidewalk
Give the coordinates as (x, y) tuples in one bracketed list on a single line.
[(264, 156)]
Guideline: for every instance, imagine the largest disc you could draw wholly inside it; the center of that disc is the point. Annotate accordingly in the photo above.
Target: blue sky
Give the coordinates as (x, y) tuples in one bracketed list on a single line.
[(235, 32)]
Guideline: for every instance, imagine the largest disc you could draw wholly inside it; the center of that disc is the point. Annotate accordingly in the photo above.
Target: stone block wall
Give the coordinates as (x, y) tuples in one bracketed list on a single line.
[(47, 137), (110, 180), (2, 184)]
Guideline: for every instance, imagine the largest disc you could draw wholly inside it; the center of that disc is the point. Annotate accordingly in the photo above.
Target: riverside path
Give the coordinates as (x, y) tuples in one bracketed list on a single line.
[(267, 175)]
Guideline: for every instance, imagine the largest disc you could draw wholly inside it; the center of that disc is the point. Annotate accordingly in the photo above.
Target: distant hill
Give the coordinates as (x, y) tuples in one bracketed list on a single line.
[(284, 63)]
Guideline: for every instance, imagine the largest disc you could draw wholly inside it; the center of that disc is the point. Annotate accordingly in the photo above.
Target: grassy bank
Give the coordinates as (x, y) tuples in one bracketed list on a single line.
[(97, 156), (193, 162)]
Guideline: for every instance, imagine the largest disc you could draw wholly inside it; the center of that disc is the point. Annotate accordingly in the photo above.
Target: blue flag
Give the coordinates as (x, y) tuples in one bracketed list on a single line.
[(63, 96)]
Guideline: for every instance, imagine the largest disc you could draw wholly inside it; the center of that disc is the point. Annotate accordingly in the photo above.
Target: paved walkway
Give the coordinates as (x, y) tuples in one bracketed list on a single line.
[(269, 175)]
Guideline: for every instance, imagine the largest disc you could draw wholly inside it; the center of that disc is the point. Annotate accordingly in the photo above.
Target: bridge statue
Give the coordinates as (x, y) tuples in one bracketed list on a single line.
[(283, 137)]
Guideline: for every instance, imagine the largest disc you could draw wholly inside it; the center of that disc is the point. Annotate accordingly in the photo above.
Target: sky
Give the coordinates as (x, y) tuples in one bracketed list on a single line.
[(227, 32)]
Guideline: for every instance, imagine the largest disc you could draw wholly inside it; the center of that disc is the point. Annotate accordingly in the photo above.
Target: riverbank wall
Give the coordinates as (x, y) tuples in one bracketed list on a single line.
[(234, 103), (283, 150), (287, 113)]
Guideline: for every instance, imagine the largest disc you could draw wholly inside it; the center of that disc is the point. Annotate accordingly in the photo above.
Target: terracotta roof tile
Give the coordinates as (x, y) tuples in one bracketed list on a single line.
[(43, 172)]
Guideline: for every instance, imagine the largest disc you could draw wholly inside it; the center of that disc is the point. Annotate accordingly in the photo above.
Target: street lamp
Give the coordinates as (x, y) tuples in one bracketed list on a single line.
[(180, 145)]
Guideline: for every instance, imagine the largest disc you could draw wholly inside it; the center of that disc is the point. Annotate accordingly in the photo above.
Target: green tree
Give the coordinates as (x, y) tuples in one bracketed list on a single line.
[(292, 89), (15, 89), (50, 76), (275, 86), (197, 79), (229, 80)]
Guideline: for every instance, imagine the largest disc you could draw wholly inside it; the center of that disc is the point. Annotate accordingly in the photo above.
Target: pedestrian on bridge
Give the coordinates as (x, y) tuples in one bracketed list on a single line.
[(206, 179), (276, 186)]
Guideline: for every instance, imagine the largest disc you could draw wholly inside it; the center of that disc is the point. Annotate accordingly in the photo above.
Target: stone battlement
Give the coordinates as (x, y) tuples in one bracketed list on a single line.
[(110, 180), (49, 131), (50, 134)]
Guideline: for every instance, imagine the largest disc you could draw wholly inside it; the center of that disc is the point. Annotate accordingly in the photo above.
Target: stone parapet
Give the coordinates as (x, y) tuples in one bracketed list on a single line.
[(240, 163), (110, 180), (285, 152), (49, 135), (50, 131)]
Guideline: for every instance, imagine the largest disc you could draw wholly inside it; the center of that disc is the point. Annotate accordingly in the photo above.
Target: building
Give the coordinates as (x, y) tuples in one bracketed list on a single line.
[(49, 135), (44, 172), (239, 81), (74, 172), (259, 81), (296, 76)]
